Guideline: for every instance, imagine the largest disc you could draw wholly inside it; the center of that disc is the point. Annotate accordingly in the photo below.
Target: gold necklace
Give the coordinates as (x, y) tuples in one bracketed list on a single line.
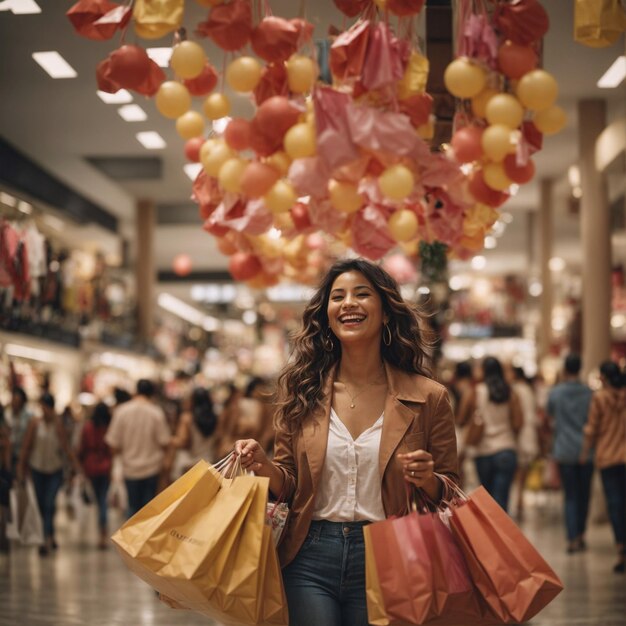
[(365, 388)]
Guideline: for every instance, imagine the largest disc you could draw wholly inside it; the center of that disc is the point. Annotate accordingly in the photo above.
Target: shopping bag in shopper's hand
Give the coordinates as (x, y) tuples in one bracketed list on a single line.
[(376, 614), (200, 543), (508, 571), (25, 524)]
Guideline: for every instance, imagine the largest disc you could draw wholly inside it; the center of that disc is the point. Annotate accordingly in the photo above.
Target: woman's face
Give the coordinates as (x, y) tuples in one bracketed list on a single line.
[(355, 310)]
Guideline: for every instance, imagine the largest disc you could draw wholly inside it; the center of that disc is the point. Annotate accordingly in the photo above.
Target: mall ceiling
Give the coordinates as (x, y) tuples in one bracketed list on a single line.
[(64, 127)]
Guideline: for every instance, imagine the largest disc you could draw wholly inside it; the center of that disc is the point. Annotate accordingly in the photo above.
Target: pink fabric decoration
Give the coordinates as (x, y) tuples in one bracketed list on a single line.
[(252, 217), (275, 39), (229, 25), (370, 234), (479, 40), (385, 59), (325, 217), (445, 218), (347, 54), (309, 177)]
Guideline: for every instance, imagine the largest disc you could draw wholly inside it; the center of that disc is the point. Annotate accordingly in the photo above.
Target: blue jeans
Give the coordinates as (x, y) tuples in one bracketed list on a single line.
[(576, 481), (614, 483), (140, 491), (100, 486), (496, 473), (46, 489), (325, 583)]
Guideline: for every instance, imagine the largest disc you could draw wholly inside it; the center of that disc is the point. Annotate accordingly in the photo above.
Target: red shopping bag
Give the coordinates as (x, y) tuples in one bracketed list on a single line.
[(420, 575), (509, 573)]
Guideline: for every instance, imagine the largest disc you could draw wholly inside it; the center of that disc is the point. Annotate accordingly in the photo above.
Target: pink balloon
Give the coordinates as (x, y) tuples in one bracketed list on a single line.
[(182, 264), (192, 149), (466, 144)]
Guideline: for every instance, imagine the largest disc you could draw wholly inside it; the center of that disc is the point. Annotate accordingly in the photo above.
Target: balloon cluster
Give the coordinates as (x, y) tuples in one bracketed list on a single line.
[(321, 167), (507, 103)]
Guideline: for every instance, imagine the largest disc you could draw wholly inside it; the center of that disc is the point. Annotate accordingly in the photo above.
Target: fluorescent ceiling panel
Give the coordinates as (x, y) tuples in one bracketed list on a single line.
[(53, 63), (614, 75), (192, 170), (132, 113), (120, 97), (151, 140), (161, 56)]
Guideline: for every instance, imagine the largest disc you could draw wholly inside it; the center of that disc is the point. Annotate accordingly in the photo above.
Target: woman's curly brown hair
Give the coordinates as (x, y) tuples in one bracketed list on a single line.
[(301, 382)]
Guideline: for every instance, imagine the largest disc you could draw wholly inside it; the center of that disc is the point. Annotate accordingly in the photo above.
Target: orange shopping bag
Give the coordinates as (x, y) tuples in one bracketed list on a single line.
[(509, 573)]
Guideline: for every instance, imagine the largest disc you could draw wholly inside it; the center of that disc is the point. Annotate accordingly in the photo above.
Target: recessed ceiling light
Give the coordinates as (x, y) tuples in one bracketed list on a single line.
[(151, 140), (161, 56), (55, 64), (479, 263), (614, 75), (192, 170), (20, 7), (25, 207), (132, 113), (119, 97), (54, 222), (8, 199)]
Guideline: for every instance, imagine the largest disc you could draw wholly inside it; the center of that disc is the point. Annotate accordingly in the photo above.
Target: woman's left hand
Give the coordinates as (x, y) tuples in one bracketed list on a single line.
[(418, 467)]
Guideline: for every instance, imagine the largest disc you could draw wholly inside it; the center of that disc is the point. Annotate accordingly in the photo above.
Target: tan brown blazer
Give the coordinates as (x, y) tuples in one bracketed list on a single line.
[(417, 415)]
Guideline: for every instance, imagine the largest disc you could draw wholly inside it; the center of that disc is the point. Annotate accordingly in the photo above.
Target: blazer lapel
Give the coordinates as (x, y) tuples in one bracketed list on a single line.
[(315, 433)]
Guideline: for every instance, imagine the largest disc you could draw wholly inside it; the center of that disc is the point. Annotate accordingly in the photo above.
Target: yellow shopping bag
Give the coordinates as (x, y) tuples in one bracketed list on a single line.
[(202, 544), (155, 18)]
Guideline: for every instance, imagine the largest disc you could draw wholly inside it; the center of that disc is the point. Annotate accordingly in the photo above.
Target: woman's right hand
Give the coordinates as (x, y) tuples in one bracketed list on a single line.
[(252, 455)]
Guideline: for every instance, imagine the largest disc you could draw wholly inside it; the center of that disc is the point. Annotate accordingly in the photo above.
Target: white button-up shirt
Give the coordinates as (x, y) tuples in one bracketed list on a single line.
[(349, 488)]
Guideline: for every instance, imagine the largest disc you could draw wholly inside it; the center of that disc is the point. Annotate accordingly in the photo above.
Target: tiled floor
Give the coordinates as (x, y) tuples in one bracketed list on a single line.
[(79, 585)]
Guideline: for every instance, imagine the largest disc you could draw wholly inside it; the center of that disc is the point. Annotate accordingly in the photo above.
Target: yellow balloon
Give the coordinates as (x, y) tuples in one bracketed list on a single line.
[(206, 147), (504, 109), (243, 74), (172, 99), (551, 120), (301, 73), (344, 196), (190, 125), (537, 90), (496, 141), (188, 59), (214, 160), (217, 105), (230, 174), (396, 182), (479, 102), (495, 176), (464, 79), (279, 161), (426, 131), (281, 197), (299, 141), (403, 225), (209, 3)]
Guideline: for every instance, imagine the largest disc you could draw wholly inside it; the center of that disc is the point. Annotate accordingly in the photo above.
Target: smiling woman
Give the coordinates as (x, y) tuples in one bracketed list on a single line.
[(358, 420)]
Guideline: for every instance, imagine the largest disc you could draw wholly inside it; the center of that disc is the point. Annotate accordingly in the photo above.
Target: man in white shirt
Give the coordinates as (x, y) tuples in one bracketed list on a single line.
[(140, 434)]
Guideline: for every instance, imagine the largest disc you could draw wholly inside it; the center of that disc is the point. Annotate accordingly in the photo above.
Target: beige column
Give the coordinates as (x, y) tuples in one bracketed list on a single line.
[(144, 267), (596, 238), (546, 237)]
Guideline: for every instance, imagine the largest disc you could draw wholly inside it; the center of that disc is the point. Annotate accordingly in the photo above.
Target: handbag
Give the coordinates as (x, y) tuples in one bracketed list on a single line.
[(509, 573), (25, 524), (204, 544)]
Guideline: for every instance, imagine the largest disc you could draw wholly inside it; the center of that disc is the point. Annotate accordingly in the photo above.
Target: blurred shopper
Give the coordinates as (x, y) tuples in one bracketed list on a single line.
[(527, 441), (568, 408), (605, 432), (499, 408), (355, 405), (20, 417), (44, 450), (97, 460), (196, 429), (140, 434), (6, 479), (464, 394)]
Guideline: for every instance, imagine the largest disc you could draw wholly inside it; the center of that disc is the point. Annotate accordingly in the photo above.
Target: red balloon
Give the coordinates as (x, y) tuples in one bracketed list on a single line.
[(519, 174), (515, 60), (229, 25), (273, 82), (257, 179), (182, 265), (130, 66), (300, 216), (485, 194), (276, 116), (152, 82), (237, 134), (466, 144), (404, 8), (244, 266), (192, 149), (351, 8), (260, 143), (204, 83)]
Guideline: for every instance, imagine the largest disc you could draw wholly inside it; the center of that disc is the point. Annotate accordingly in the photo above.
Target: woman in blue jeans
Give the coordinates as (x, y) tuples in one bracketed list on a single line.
[(358, 420), (499, 408), (43, 451)]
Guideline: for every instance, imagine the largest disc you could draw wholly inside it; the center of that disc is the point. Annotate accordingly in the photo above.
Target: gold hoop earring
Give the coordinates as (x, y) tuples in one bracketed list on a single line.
[(387, 338), (327, 341)]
